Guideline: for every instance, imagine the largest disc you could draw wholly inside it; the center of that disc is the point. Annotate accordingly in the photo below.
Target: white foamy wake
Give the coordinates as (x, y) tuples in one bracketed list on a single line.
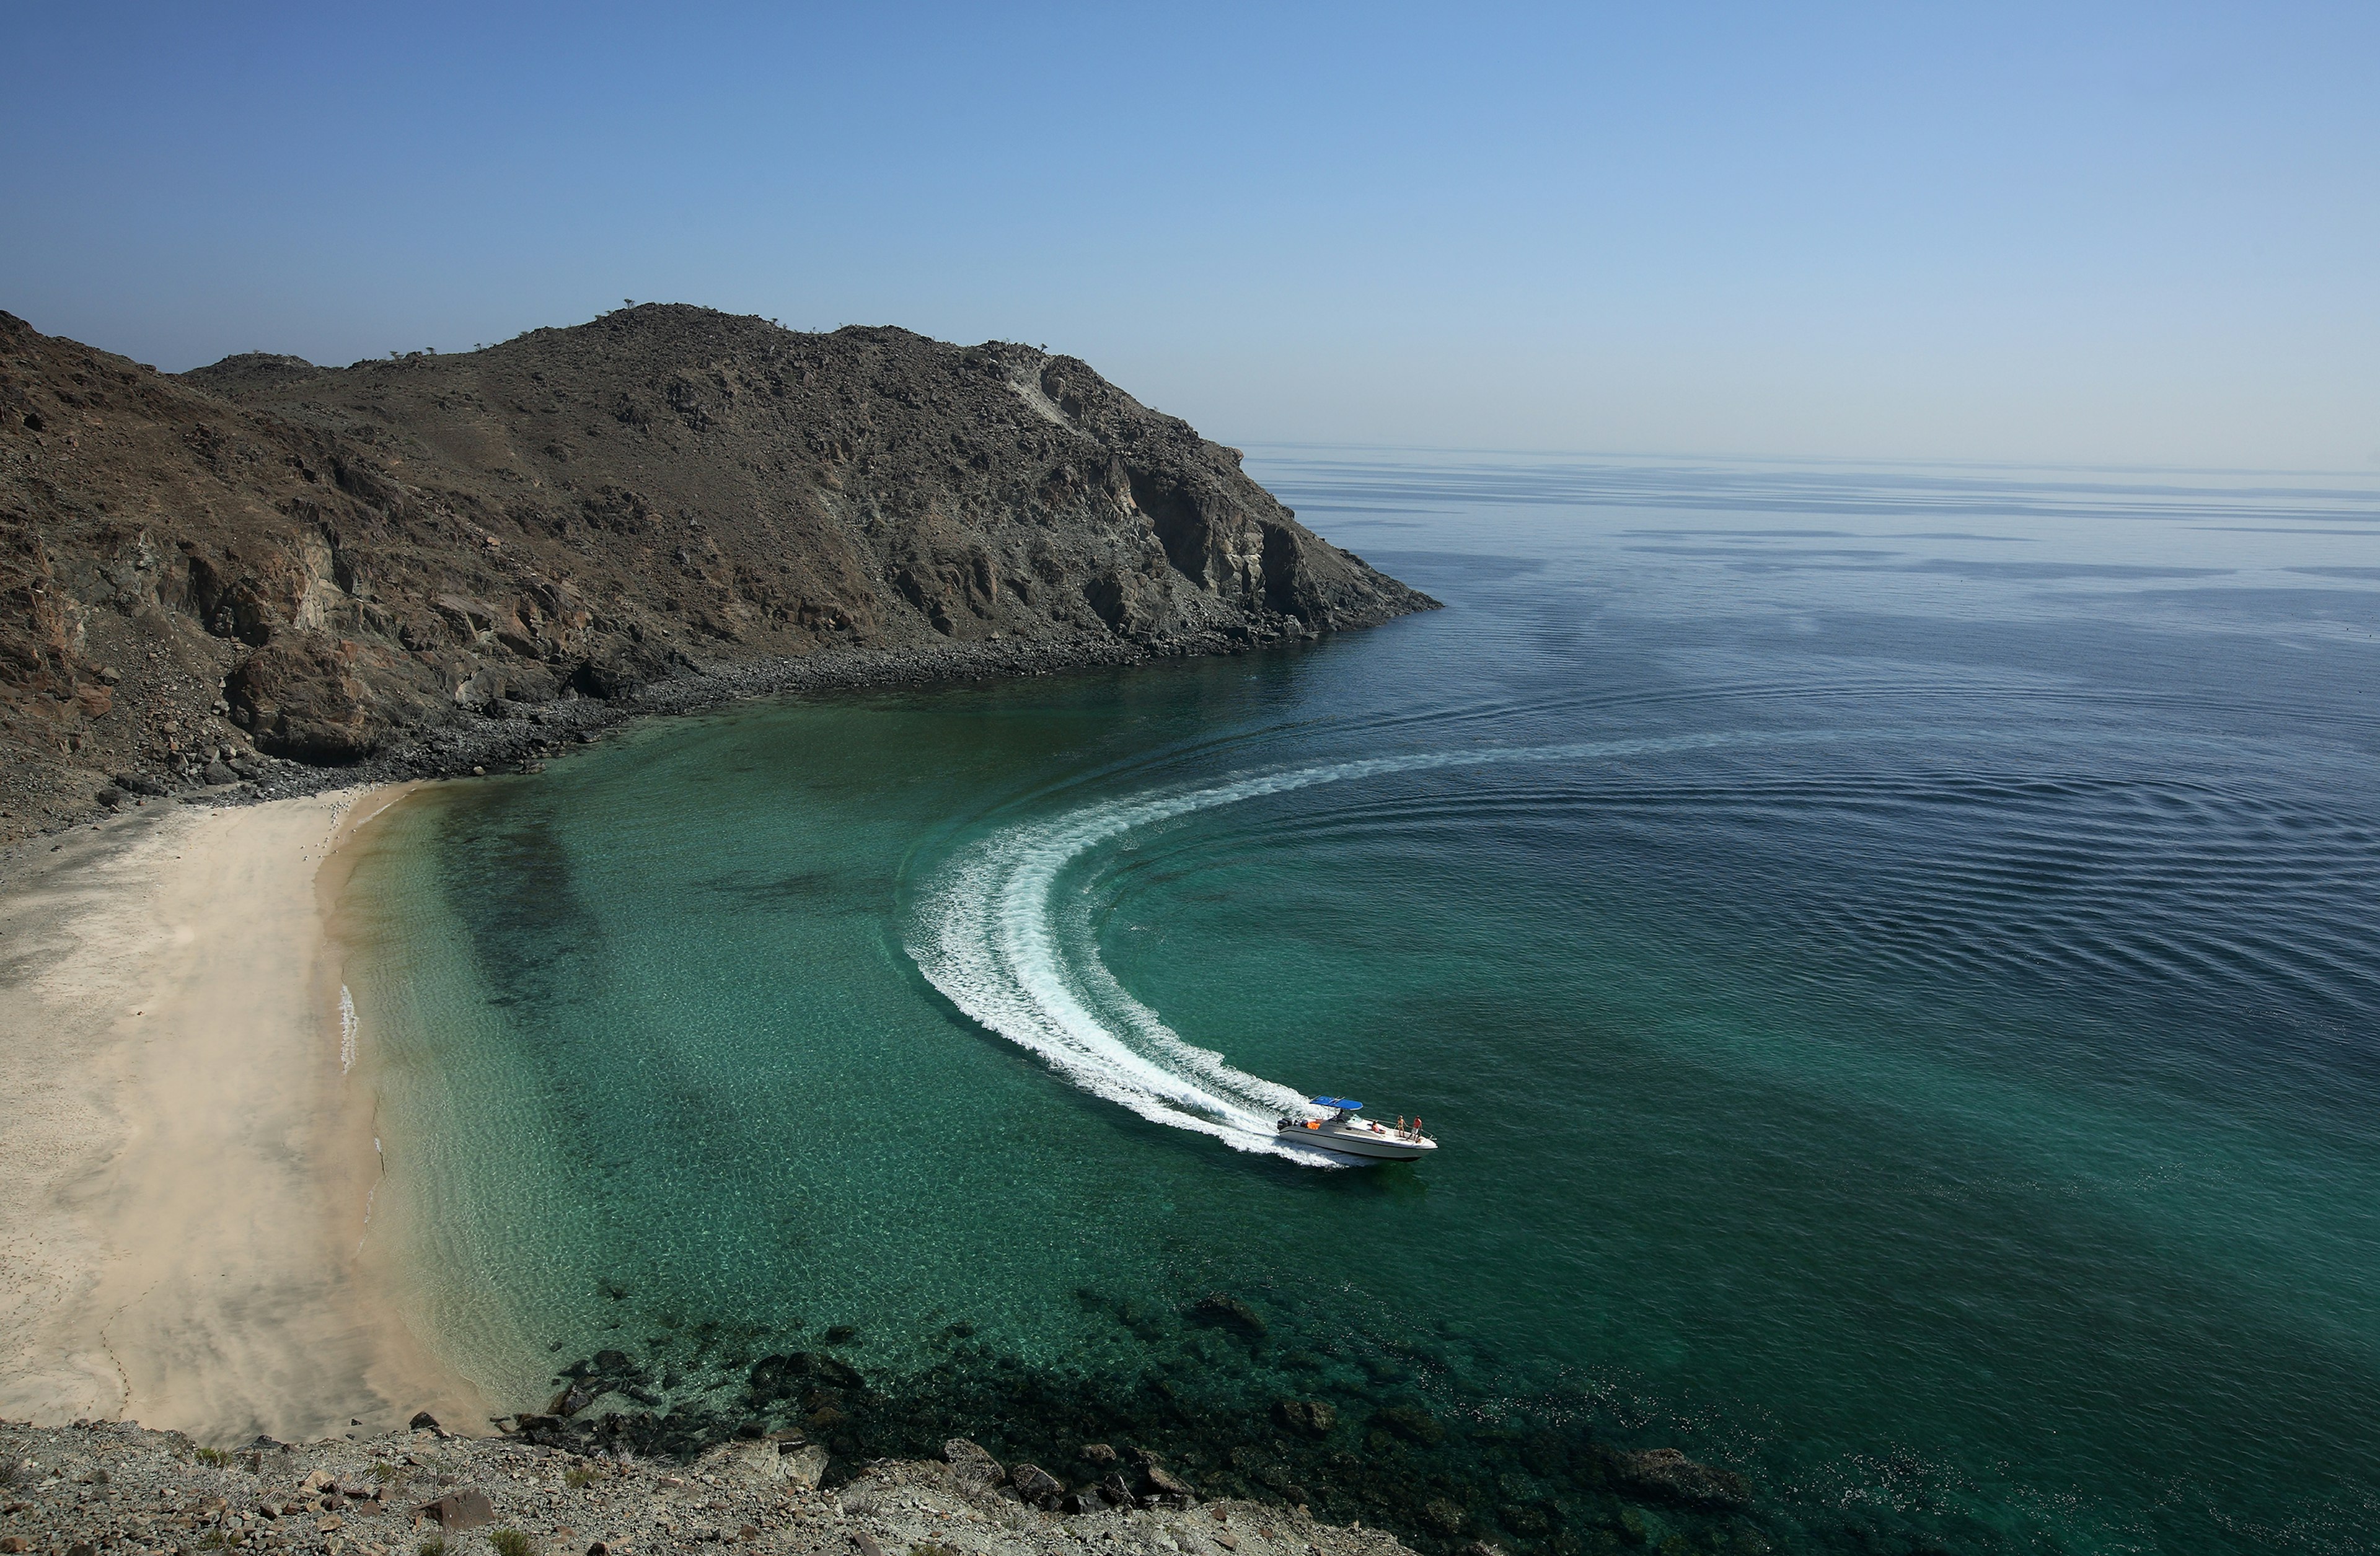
[(347, 1028), (991, 935)]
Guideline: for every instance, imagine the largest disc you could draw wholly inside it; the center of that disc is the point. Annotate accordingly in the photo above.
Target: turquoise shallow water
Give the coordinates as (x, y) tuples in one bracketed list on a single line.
[(1892, 956)]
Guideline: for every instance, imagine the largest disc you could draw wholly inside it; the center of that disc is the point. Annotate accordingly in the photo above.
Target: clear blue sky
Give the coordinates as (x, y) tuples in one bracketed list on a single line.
[(2074, 232)]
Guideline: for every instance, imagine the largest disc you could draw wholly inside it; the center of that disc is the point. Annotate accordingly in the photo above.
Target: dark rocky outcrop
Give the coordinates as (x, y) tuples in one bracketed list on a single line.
[(264, 561), (1037, 1486), (1444, 1472), (300, 696)]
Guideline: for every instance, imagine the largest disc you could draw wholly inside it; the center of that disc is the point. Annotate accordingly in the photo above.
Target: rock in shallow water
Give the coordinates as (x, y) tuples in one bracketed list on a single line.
[(1410, 1422), (1670, 1474), (1222, 1310), (1311, 1417)]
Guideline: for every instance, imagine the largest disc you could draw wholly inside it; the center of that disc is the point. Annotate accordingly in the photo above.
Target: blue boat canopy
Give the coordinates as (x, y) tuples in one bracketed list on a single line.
[(1337, 1102)]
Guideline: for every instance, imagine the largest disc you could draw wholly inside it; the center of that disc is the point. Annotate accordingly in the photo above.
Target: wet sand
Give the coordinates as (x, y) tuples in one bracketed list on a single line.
[(186, 1158)]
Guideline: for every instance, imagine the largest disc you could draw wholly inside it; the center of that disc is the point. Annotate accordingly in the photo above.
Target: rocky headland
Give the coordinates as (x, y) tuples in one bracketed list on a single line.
[(265, 577)]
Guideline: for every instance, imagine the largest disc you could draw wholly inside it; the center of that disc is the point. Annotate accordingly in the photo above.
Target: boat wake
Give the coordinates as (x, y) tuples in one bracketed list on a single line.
[(997, 937)]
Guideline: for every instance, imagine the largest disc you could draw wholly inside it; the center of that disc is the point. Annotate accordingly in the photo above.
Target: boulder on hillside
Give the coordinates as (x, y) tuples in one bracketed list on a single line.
[(458, 1511), (971, 1464), (1037, 1486), (1163, 1483), (298, 697)]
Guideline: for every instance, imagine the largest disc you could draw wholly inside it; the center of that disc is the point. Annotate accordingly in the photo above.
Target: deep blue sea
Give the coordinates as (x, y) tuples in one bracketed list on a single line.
[(1891, 956)]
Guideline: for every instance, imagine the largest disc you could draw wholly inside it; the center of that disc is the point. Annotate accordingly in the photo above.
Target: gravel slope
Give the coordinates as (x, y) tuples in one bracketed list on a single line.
[(118, 1488)]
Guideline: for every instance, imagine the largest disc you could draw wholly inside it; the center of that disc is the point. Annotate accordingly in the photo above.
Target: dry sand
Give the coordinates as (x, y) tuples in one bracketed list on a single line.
[(185, 1162)]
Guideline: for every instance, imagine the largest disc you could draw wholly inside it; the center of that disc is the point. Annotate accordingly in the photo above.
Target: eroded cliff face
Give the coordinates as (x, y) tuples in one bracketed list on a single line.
[(263, 556)]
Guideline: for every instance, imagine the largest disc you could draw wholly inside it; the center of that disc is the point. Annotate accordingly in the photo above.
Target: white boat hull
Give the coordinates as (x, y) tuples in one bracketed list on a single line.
[(1374, 1142)]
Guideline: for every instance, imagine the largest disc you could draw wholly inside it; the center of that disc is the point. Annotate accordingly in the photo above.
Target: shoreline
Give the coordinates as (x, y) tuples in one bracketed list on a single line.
[(314, 1338), (182, 1220), (527, 734), (184, 1166), (519, 736)]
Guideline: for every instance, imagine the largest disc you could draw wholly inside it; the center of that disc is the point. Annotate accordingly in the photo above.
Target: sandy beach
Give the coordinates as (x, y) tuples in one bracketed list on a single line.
[(186, 1154)]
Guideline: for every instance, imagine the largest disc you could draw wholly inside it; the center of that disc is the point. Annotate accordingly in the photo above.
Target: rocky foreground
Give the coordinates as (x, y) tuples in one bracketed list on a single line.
[(265, 566), (98, 1487)]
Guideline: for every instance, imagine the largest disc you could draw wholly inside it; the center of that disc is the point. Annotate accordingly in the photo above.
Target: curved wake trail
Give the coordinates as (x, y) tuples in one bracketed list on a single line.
[(988, 935)]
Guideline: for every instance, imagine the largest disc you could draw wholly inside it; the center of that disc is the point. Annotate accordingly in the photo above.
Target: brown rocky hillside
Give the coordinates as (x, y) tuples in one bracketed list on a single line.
[(205, 577)]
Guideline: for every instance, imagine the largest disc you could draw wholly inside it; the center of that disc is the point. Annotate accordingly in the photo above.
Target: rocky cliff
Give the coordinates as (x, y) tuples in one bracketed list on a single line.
[(263, 562)]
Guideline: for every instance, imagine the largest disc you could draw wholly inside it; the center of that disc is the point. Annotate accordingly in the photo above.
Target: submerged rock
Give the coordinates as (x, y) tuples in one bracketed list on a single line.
[(1312, 1417), (1222, 1310), (1670, 1474), (774, 1378), (1410, 1422)]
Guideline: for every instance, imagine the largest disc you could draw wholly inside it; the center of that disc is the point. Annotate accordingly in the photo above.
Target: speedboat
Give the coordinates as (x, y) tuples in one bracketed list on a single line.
[(1342, 1129)]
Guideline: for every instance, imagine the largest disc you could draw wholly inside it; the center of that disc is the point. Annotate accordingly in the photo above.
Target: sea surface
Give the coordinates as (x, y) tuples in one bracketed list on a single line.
[(1890, 953)]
